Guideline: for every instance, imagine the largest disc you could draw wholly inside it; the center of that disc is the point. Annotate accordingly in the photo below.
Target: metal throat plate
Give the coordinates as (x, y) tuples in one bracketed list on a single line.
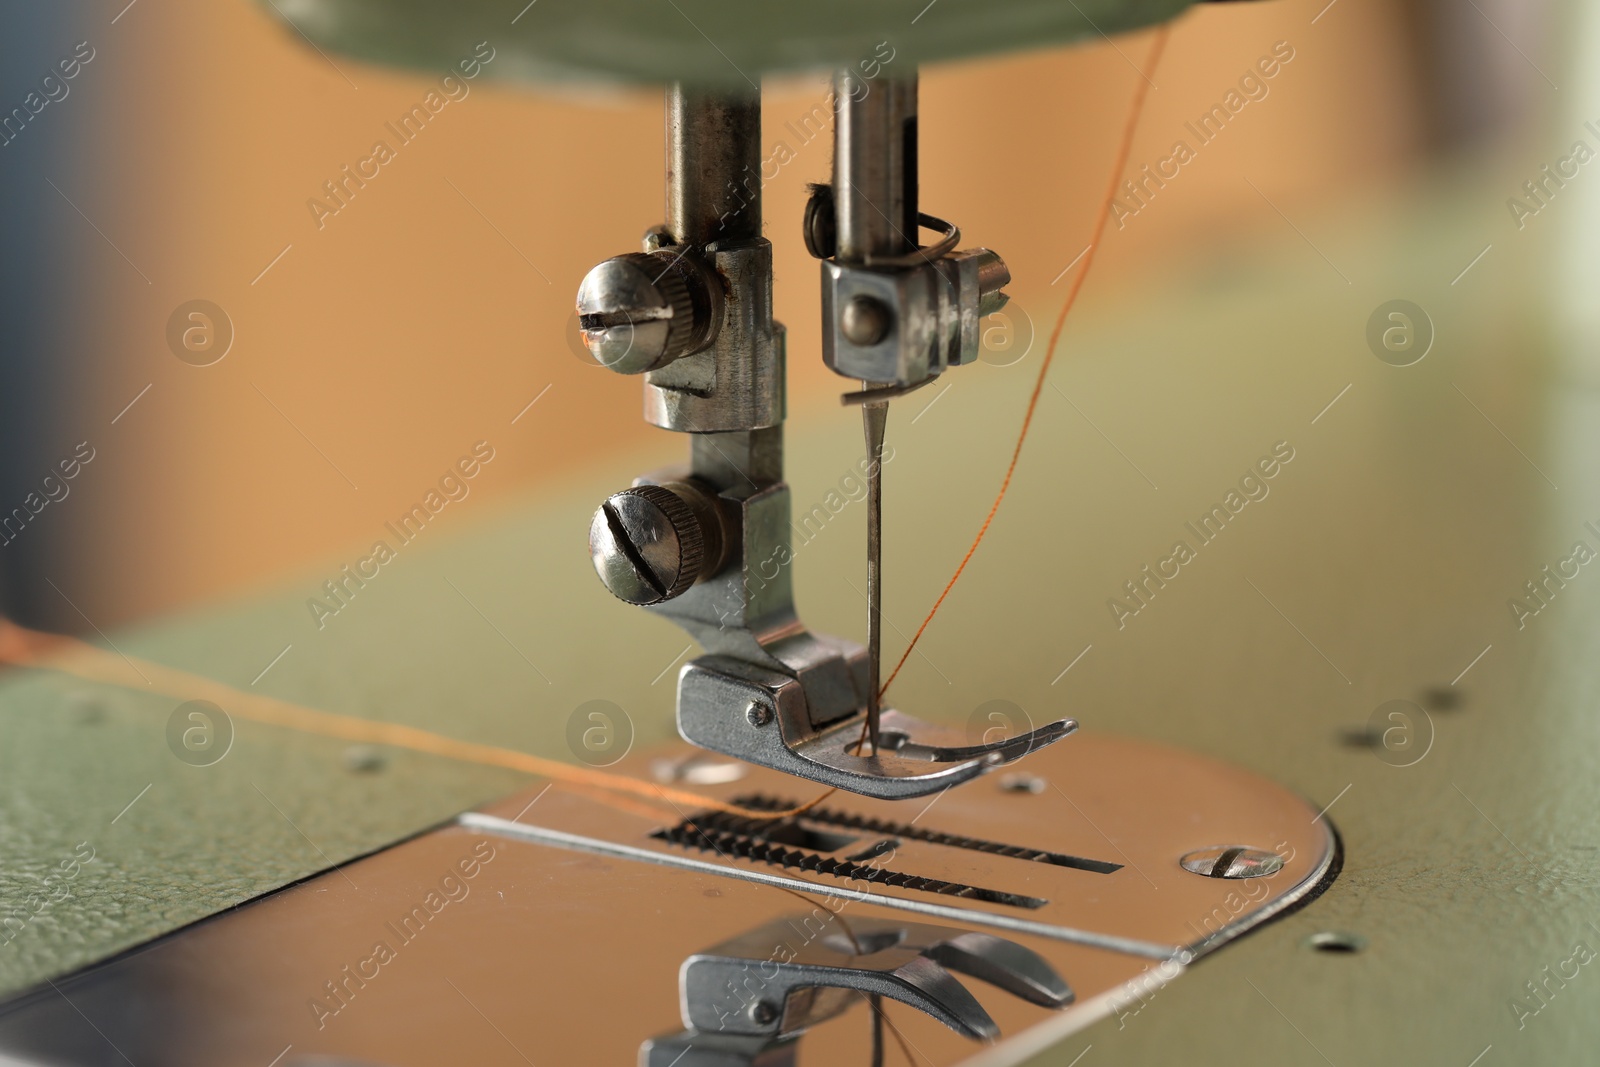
[(551, 927)]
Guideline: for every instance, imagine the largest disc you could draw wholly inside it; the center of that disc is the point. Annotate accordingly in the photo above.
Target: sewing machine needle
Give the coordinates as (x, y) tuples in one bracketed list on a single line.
[(874, 418)]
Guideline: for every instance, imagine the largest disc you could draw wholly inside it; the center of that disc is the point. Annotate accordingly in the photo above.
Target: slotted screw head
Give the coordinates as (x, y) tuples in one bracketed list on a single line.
[(647, 544), (1232, 861), (636, 313)]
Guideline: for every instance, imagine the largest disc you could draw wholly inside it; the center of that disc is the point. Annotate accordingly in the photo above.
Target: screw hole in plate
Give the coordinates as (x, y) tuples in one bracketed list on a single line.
[(1443, 698), (1336, 941)]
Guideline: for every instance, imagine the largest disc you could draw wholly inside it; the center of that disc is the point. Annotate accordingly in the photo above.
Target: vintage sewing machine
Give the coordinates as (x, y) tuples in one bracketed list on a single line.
[(1074, 875)]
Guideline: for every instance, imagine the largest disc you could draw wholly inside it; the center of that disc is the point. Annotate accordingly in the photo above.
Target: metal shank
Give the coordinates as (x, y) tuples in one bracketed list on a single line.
[(767, 690)]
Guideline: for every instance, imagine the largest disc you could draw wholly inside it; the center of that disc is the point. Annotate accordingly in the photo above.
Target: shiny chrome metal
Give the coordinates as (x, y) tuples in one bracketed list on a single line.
[(874, 419), (933, 316), (1142, 796), (717, 561), (865, 229), (865, 321), (538, 833), (693, 312), (559, 869), (641, 311), (749, 998), (874, 394), (915, 758), (1232, 861), (652, 542), (890, 959), (736, 382)]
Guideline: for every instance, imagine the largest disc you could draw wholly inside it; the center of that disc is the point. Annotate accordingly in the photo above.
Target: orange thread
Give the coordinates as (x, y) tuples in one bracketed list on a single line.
[(25, 647), (21, 646), (1131, 125)]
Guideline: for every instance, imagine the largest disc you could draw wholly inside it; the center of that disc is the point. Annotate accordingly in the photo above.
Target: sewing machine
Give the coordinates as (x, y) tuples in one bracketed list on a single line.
[(995, 891)]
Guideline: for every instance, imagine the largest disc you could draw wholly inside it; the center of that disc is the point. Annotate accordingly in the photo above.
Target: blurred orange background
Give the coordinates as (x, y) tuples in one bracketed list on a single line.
[(372, 352)]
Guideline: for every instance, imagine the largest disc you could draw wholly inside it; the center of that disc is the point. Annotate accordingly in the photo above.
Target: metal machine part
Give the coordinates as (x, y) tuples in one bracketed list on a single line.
[(708, 547), (1096, 857), (740, 991), (550, 905), (652, 542), (640, 312), (893, 312)]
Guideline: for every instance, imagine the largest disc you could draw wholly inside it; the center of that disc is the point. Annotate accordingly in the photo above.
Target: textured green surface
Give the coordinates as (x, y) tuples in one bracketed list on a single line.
[(712, 42), (1392, 540)]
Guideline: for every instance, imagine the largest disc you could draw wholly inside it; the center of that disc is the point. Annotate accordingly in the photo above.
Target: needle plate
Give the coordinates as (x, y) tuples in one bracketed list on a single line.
[(552, 927)]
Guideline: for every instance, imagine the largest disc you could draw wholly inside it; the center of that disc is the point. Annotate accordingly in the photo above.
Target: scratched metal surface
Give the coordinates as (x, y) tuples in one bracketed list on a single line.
[(1379, 566)]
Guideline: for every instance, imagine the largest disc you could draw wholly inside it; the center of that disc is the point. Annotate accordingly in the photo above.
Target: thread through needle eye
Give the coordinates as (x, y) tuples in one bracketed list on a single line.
[(1130, 126)]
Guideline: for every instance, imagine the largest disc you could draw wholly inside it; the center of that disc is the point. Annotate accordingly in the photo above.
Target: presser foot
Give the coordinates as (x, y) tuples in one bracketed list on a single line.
[(763, 717)]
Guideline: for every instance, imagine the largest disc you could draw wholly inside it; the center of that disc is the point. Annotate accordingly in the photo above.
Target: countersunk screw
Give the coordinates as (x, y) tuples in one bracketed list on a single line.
[(758, 714), (1232, 861), (762, 1013)]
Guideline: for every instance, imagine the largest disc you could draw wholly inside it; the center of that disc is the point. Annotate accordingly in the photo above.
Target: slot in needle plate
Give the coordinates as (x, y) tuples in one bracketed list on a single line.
[(563, 916)]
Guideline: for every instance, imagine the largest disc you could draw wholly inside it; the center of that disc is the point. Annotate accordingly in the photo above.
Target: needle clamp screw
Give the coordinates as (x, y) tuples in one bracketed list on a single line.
[(641, 311)]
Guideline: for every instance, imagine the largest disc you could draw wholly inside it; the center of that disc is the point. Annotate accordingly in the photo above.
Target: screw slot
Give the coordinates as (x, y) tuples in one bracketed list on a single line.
[(1232, 861)]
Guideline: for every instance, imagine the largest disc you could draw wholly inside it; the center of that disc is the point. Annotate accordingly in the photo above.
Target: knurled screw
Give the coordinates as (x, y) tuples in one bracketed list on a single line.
[(821, 226), (758, 714), (652, 542), (641, 311)]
